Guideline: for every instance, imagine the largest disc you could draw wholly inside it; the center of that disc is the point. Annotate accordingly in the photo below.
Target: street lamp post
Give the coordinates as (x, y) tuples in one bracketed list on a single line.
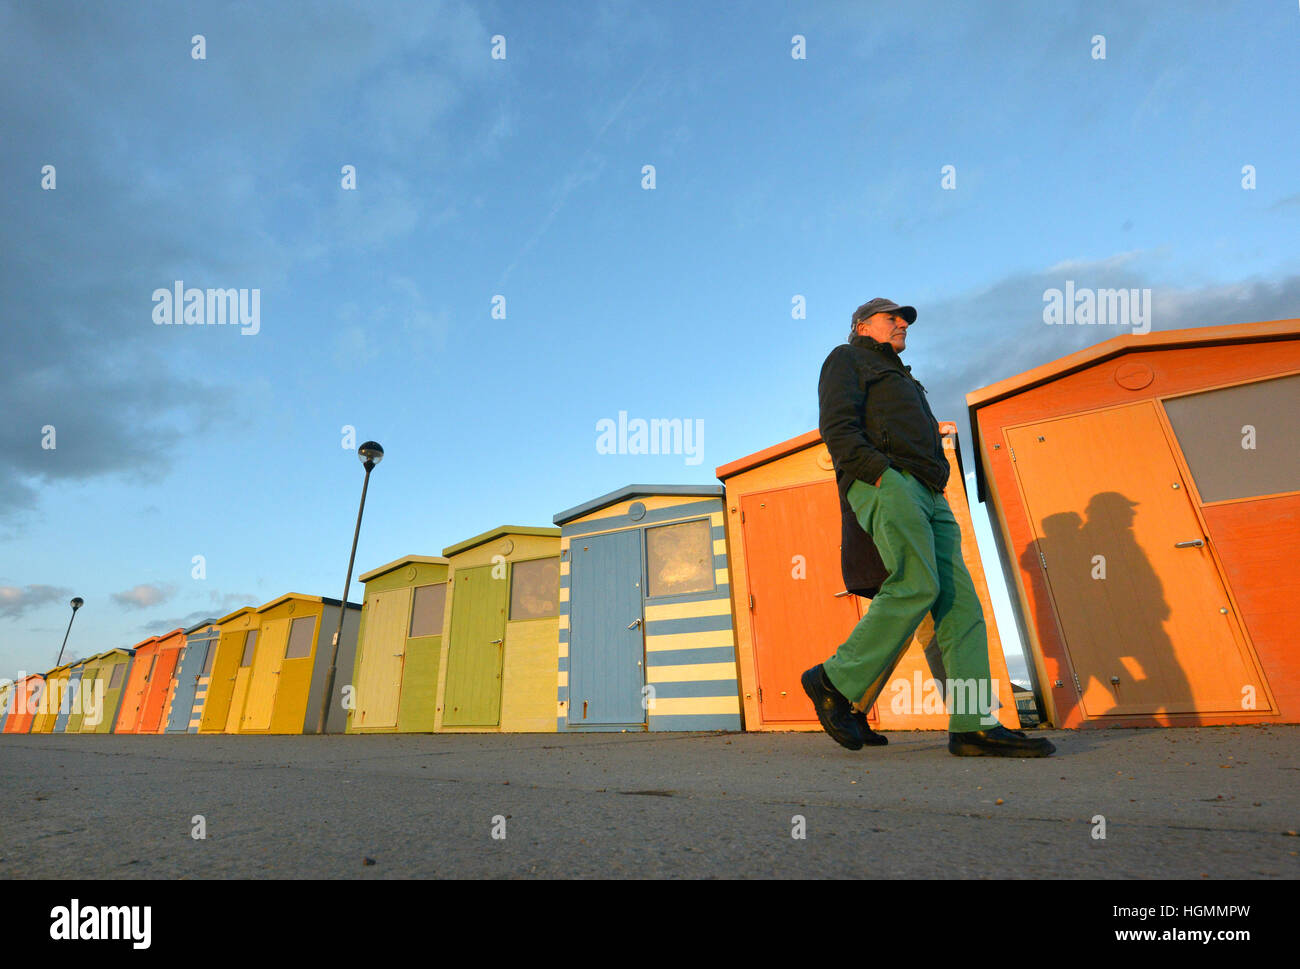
[(370, 455), (76, 604)]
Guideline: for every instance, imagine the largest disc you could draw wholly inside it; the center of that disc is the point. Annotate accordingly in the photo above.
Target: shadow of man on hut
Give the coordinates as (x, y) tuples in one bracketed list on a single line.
[(1093, 576)]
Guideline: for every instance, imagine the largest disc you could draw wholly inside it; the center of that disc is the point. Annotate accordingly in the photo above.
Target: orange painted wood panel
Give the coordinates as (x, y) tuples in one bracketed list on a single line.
[(27, 698), (1259, 544), (1146, 623), (160, 685), (137, 685), (792, 545), (153, 697), (802, 466), (1173, 371)]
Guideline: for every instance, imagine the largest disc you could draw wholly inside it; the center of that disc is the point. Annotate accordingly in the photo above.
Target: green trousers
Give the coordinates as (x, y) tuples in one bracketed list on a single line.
[(920, 544)]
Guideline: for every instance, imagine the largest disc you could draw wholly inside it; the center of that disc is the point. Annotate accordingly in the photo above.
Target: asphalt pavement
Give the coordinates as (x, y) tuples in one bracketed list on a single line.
[(1176, 803)]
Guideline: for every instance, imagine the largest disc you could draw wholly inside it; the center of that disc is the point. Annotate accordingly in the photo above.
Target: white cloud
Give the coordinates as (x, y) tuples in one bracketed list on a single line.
[(144, 595)]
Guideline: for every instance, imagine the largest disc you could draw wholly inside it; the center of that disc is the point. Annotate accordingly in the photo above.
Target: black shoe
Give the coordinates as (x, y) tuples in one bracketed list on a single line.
[(869, 736), (833, 709), (998, 742)]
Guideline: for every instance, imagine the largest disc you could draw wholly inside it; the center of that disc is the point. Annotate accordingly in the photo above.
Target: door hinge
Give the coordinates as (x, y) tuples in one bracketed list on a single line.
[(1077, 685), (1013, 452), (742, 516), (751, 600), (760, 694), (1042, 560)]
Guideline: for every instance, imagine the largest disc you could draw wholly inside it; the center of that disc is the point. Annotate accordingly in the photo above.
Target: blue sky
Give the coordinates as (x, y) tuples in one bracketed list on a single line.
[(522, 177)]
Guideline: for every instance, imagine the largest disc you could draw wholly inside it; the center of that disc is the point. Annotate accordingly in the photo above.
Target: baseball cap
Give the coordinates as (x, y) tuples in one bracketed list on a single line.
[(882, 305)]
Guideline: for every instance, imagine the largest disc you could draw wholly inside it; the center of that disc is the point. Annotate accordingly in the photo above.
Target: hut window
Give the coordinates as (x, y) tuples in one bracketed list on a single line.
[(250, 643), (680, 558), (300, 637), (207, 659), (115, 678), (535, 589), (1242, 441), (426, 609)]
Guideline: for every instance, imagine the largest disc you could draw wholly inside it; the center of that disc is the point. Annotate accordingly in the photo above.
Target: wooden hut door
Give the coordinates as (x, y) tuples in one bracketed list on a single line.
[(263, 680), (90, 711), (96, 706), (478, 628), (1147, 624), (84, 695), (382, 657), (606, 630), (792, 560), (138, 686), (71, 703), (187, 683), (221, 682), (160, 682)]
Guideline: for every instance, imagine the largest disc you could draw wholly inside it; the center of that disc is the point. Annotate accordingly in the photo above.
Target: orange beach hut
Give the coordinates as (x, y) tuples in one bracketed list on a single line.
[(1146, 498), (789, 602)]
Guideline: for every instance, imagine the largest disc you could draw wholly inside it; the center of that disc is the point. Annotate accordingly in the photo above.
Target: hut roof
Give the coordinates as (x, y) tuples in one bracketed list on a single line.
[(1115, 347), (398, 563), (497, 533), (637, 491)]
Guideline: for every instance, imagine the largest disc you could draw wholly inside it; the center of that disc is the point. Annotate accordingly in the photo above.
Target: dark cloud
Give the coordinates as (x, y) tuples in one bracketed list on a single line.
[(983, 337), (15, 601), (170, 168), (160, 626), (222, 604)]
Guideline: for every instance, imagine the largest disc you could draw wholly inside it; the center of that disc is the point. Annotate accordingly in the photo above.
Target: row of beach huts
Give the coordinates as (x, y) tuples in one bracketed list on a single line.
[(621, 616), (696, 607)]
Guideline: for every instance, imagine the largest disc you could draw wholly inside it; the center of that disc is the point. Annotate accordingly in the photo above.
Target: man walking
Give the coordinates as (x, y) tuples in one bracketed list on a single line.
[(901, 545)]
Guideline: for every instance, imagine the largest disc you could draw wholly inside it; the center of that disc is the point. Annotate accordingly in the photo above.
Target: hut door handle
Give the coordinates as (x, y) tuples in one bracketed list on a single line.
[(491, 642), (1195, 544), (634, 623), (841, 595)]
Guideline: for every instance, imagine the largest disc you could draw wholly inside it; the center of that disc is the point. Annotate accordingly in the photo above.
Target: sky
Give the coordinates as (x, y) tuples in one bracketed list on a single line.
[(518, 183)]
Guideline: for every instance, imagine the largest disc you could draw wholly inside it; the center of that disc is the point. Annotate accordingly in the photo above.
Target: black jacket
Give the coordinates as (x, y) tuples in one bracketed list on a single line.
[(874, 415)]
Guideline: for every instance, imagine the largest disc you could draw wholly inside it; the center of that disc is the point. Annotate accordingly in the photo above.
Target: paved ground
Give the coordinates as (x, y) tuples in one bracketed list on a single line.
[(1187, 803)]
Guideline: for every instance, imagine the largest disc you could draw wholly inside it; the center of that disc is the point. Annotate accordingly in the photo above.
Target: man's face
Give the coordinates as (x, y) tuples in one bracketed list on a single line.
[(886, 328)]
